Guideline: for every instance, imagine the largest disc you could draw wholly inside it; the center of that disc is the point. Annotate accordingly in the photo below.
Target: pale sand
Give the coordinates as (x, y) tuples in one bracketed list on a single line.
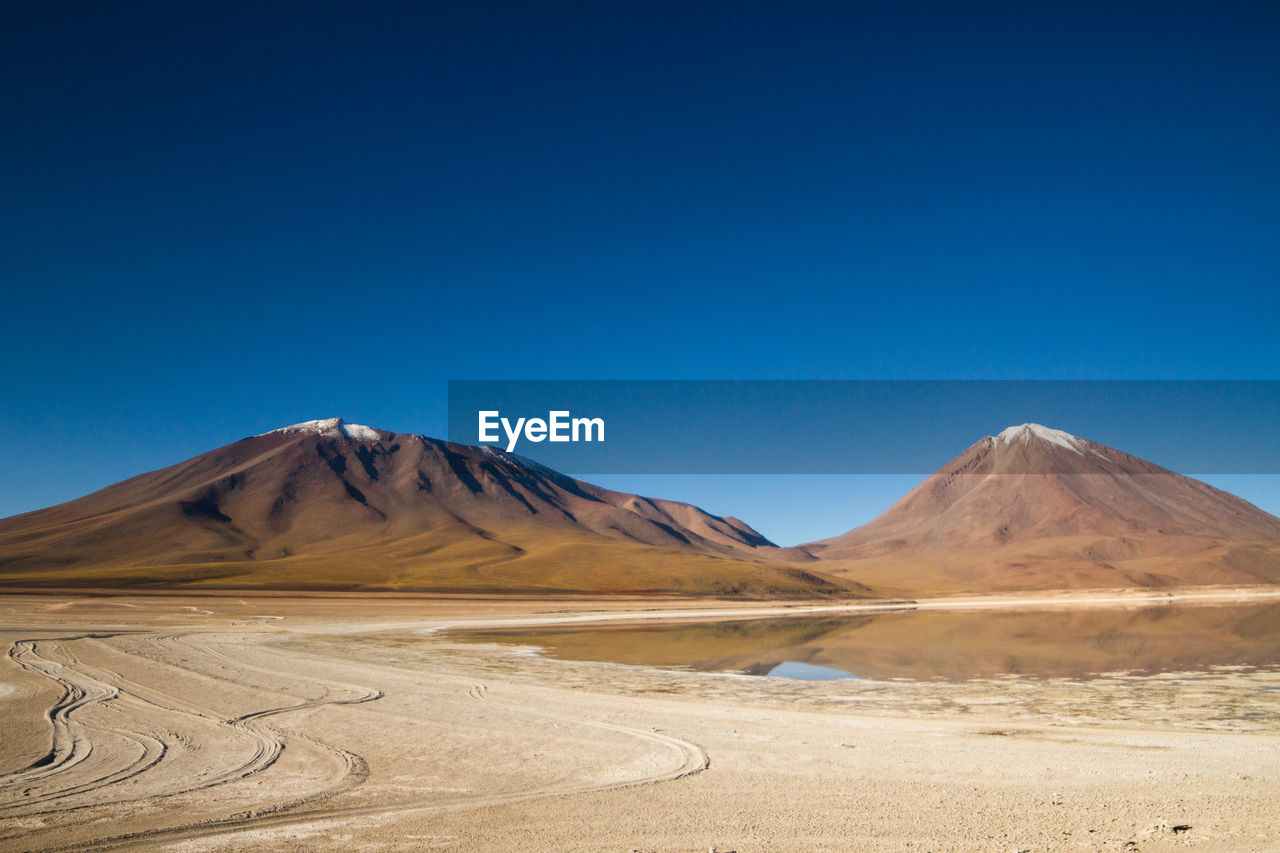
[(229, 722)]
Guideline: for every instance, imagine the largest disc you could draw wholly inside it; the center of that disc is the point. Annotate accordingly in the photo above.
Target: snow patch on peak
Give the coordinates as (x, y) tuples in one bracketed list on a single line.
[(330, 428), (515, 458), (1025, 432), (319, 427), (359, 431)]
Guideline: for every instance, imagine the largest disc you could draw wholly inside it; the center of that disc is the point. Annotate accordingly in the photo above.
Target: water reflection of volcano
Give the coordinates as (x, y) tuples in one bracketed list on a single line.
[(950, 645)]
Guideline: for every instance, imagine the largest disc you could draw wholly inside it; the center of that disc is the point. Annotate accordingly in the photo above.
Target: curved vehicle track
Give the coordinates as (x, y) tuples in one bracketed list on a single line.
[(88, 760), (206, 655)]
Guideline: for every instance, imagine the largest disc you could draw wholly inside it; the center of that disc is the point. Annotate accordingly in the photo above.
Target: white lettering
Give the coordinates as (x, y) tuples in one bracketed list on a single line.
[(487, 424), (512, 434), (587, 424), (558, 426)]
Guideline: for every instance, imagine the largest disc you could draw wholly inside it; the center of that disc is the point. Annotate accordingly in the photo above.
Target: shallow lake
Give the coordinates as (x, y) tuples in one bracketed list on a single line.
[(953, 645)]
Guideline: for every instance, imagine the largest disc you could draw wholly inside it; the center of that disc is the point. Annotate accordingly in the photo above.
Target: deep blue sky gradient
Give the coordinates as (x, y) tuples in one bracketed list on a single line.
[(222, 218)]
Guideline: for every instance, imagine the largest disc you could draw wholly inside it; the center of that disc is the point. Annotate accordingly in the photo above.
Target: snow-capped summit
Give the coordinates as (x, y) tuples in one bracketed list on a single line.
[(326, 504), (330, 428), (1025, 432), (1039, 507)]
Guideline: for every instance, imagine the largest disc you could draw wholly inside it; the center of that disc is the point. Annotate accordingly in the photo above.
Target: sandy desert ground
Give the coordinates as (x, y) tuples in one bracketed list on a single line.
[(223, 722)]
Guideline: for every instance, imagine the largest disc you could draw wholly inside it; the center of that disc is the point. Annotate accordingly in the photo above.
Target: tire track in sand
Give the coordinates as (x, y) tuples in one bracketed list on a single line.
[(690, 759), (70, 741), (73, 743)]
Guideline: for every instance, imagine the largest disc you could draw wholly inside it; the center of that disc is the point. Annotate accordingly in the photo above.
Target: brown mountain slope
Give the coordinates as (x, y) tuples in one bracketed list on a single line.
[(326, 504), (1036, 508)]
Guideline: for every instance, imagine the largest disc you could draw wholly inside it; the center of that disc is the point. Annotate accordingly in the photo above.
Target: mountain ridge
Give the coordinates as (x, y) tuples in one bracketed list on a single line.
[(1037, 507), (329, 504), (399, 511)]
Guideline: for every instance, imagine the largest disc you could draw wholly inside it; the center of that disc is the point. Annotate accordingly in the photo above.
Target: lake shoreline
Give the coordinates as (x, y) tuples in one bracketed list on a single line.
[(329, 725)]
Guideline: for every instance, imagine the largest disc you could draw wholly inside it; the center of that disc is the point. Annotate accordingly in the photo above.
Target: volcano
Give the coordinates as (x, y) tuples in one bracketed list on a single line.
[(1039, 508), (332, 505)]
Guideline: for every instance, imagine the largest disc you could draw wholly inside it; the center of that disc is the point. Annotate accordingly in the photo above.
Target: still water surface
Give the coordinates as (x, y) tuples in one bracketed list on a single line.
[(934, 644)]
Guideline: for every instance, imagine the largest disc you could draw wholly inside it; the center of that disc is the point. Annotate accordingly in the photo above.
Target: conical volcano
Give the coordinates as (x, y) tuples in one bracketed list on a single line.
[(1034, 507)]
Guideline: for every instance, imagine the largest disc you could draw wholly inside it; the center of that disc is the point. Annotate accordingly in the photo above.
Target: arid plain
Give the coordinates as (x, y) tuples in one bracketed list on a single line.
[(286, 722)]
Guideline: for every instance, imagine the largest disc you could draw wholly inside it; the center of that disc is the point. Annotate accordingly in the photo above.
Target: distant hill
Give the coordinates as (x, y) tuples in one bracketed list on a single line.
[(338, 506), (332, 505), (1038, 508)]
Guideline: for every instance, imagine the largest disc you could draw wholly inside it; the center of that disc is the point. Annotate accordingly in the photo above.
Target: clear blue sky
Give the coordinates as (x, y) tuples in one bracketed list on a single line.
[(221, 218)]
